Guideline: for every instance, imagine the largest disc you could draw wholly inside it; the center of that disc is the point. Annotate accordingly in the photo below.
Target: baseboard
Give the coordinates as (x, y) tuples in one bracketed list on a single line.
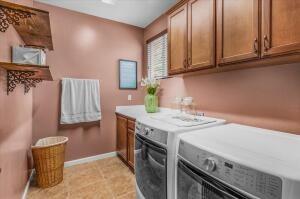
[(90, 159), (28, 184)]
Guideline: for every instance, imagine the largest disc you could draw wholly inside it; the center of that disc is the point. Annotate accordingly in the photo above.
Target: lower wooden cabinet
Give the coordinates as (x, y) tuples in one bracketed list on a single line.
[(130, 138), (125, 139), (122, 137)]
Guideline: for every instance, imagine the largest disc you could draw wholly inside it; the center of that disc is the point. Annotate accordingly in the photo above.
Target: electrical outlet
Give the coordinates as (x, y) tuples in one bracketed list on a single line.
[(129, 97)]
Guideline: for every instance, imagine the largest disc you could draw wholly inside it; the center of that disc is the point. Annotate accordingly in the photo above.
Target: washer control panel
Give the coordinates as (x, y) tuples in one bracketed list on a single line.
[(254, 182), (153, 134)]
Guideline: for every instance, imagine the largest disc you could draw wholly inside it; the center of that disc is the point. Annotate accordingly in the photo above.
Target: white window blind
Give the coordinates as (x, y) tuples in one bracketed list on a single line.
[(157, 58)]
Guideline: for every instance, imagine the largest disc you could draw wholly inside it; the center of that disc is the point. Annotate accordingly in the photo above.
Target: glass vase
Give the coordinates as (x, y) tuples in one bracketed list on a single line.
[(151, 103)]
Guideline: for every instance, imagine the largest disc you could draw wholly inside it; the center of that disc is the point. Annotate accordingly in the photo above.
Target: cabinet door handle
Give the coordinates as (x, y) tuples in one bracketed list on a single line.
[(190, 61), (255, 46), (266, 43), (184, 63)]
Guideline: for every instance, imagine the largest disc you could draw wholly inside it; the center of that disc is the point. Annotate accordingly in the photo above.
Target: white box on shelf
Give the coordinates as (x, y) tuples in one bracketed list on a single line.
[(26, 55)]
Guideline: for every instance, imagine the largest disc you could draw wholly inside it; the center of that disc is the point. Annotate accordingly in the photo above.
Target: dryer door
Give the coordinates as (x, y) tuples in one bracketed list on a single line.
[(192, 183), (150, 168)]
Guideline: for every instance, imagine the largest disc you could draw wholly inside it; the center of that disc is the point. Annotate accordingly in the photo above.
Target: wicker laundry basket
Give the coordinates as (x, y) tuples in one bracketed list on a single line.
[(49, 157)]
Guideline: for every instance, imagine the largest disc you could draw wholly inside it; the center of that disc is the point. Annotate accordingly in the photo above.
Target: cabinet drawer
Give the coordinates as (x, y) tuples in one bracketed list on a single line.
[(131, 124)]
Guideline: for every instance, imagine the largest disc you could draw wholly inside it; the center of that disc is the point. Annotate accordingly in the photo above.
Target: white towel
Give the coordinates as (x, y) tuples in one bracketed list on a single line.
[(80, 101)]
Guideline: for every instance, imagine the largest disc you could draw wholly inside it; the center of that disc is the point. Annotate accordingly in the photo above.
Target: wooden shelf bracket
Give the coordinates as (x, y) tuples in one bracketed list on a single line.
[(21, 77), (12, 16), (28, 75)]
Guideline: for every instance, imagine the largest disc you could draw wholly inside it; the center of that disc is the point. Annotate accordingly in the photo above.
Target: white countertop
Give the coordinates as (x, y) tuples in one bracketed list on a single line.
[(139, 113), (136, 111)]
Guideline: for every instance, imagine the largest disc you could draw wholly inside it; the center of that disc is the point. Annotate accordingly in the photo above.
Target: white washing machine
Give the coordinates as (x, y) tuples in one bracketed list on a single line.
[(238, 162), (155, 153)]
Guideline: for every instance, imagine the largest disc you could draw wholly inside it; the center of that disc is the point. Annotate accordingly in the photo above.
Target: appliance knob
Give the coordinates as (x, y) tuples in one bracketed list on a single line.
[(147, 131), (210, 164)]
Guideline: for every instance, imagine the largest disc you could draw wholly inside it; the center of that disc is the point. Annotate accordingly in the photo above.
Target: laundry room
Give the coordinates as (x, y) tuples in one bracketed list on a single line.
[(149, 99)]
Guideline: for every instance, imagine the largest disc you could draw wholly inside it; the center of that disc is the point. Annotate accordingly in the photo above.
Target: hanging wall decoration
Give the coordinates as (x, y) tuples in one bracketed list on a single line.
[(127, 74)]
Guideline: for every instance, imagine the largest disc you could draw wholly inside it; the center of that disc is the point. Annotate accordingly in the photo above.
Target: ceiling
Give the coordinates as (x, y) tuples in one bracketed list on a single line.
[(135, 12)]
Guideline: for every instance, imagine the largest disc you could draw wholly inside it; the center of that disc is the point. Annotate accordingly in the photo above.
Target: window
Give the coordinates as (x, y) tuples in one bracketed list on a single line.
[(157, 56)]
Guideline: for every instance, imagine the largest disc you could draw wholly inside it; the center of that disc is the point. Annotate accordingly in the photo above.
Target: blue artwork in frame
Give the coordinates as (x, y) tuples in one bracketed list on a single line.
[(127, 74)]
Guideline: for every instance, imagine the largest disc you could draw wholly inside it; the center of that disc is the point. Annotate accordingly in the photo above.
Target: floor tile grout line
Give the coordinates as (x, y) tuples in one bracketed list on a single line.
[(126, 194), (99, 171)]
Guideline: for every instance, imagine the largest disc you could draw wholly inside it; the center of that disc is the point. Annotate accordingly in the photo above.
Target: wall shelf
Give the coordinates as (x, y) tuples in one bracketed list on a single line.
[(33, 25), (28, 75)]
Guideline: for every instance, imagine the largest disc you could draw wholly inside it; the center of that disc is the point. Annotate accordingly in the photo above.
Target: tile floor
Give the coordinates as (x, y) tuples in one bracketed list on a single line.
[(103, 179)]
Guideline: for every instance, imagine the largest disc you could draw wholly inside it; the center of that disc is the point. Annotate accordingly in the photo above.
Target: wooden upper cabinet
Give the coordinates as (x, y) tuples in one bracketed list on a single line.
[(205, 33), (280, 27), (177, 36), (238, 30), (122, 137), (201, 33)]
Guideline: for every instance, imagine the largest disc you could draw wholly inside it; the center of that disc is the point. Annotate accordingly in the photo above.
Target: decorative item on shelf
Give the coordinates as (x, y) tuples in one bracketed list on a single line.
[(21, 77), (11, 16), (151, 99), (28, 55)]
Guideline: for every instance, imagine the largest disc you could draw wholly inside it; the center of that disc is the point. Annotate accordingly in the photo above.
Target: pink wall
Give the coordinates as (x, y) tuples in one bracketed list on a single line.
[(266, 97), (15, 125), (86, 47)]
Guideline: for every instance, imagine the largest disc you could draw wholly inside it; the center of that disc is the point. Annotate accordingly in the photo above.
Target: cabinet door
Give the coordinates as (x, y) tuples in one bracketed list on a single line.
[(237, 35), (201, 34), (122, 137), (177, 38), (280, 26), (131, 148), (131, 124)]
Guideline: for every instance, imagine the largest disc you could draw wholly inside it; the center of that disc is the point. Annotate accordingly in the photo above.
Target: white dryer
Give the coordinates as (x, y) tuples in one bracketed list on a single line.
[(155, 153), (238, 162)]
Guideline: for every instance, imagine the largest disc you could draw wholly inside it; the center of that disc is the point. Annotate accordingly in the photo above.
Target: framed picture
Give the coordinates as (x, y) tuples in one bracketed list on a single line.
[(127, 74)]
